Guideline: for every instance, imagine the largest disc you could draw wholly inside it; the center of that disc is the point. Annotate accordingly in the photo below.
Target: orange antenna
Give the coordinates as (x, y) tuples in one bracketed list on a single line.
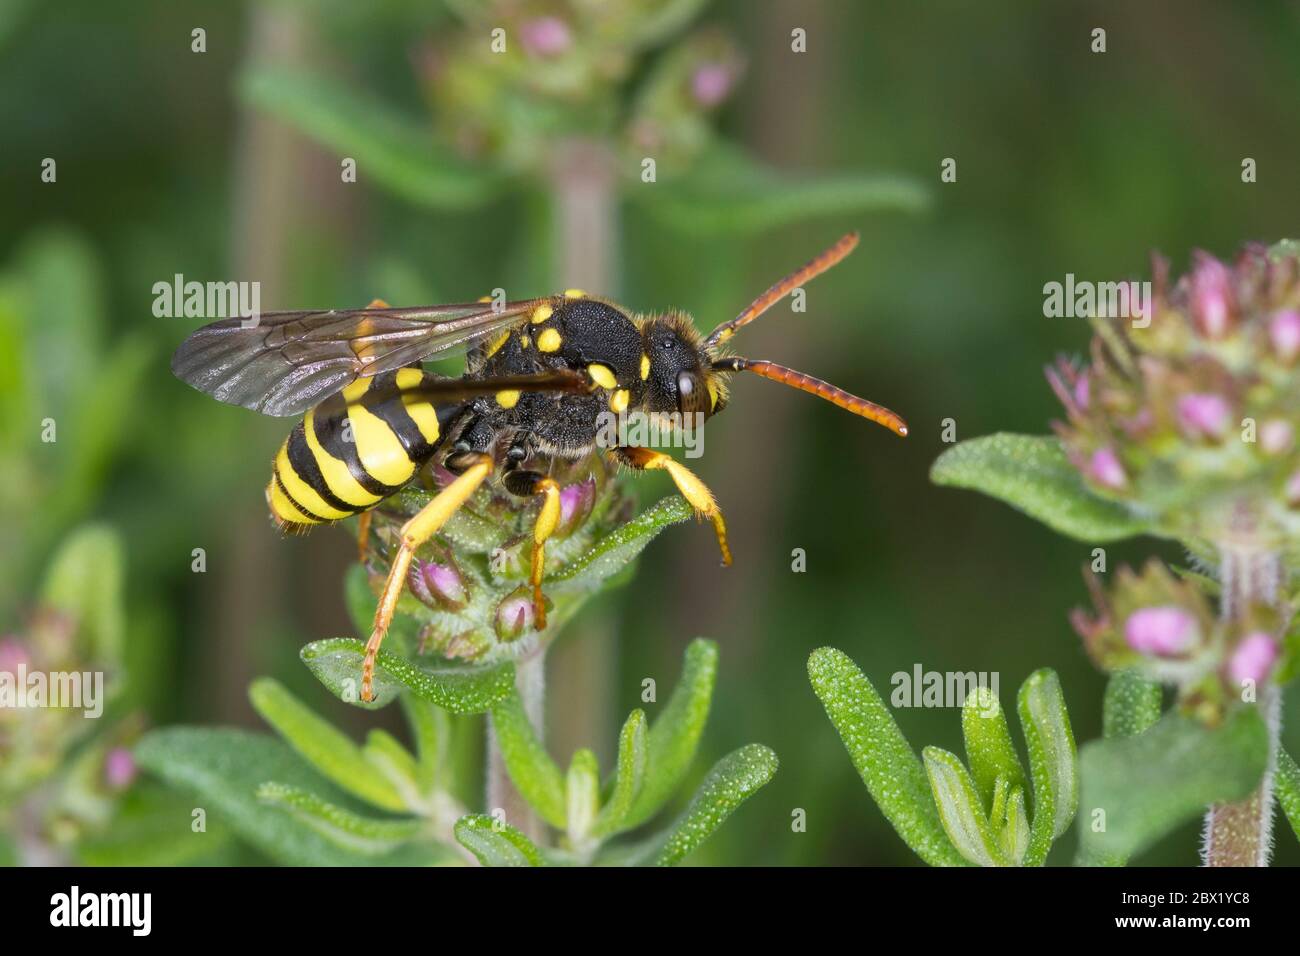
[(781, 289), (815, 386)]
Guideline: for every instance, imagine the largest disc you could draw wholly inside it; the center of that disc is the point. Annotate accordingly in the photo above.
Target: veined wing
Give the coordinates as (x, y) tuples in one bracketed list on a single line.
[(290, 361)]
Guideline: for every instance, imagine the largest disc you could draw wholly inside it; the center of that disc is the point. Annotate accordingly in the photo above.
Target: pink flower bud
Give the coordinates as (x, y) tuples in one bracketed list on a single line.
[(1204, 415), (711, 83), (119, 768), (1253, 658), (437, 585), (1284, 331), (576, 502), (1211, 296), (1105, 469), (514, 615), (1161, 631), (1276, 436), (546, 36)]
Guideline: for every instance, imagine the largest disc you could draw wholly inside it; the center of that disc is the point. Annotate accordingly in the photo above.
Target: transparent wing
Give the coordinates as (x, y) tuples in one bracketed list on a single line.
[(291, 361)]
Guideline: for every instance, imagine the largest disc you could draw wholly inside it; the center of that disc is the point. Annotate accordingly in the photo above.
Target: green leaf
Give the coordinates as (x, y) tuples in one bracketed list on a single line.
[(1148, 785), (321, 744), (1032, 474), (349, 830), (1052, 761), (392, 150), (1015, 828), (535, 775), (989, 749), (880, 753), (726, 191), (1288, 789), (621, 546), (224, 767), (1132, 704), (959, 809), (582, 795), (732, 780), (675, 734), (496, 844), (431, 728), (84, 581), (336, 662), (628, 779)]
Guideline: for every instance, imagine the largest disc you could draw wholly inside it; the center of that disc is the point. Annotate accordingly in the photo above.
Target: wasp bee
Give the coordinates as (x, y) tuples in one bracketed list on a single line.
[(541, 374)]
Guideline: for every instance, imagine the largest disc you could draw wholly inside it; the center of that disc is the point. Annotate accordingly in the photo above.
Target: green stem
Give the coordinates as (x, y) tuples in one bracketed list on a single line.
[(1241, 833), (530, 678)]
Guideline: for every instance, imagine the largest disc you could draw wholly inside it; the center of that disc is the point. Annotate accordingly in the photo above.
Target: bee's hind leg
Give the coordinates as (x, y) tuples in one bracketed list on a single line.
[(427, 522), (527, 484)]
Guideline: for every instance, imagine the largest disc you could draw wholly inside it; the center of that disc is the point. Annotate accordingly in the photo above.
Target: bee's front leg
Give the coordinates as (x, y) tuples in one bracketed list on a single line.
[(526, 484), (692, 489)]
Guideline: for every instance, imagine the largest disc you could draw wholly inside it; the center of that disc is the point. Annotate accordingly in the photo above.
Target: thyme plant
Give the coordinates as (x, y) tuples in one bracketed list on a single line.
[(1182, 425)]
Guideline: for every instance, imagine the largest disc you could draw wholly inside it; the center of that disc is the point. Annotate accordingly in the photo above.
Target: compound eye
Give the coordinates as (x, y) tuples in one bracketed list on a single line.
[(691, 396)]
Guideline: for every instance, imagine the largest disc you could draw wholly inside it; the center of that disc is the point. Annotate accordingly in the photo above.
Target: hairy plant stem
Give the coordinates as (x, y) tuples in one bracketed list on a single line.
[(1241, 833), (530, 679)]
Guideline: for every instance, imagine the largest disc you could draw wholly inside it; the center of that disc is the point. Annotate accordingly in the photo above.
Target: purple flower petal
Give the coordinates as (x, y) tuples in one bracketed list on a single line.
[(1253, 658), (1161, 631), (1204, 415)]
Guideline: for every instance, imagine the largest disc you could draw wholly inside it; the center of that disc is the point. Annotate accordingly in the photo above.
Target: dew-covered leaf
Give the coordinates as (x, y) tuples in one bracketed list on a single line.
[(893, 774), (468, 689), (1032, 474)]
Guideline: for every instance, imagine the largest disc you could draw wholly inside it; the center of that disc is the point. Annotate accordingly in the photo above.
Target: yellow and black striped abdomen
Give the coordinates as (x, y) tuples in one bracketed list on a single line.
[(355, 449)]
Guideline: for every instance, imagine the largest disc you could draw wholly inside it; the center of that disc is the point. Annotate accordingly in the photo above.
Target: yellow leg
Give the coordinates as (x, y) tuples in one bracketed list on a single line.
[(693, 490), (547, 519), (415, 532)]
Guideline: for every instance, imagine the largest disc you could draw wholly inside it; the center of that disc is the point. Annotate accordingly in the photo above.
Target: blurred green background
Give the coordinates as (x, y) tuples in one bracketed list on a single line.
[(1068, 161)]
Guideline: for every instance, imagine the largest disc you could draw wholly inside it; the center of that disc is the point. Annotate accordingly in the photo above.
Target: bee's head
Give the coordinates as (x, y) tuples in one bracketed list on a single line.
[(678, 368)]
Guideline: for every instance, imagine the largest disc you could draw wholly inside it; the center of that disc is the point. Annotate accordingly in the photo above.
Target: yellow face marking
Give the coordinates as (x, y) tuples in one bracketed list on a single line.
[(618, 401), (336, 473), (574, 294), (422, 412), (549, 341), (645, 367), (282, 509), (602, 375), (299, 490), (541, 314), (508, 397), (713, 392), (496, 344), (379, 449)]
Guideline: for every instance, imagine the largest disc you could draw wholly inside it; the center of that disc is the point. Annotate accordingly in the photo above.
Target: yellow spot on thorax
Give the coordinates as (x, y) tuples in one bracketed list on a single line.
[(541, 314), (618, 401), (508, 397), (549, 341), (574, 294), (497, 342), (645, 367), (602, 375)]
